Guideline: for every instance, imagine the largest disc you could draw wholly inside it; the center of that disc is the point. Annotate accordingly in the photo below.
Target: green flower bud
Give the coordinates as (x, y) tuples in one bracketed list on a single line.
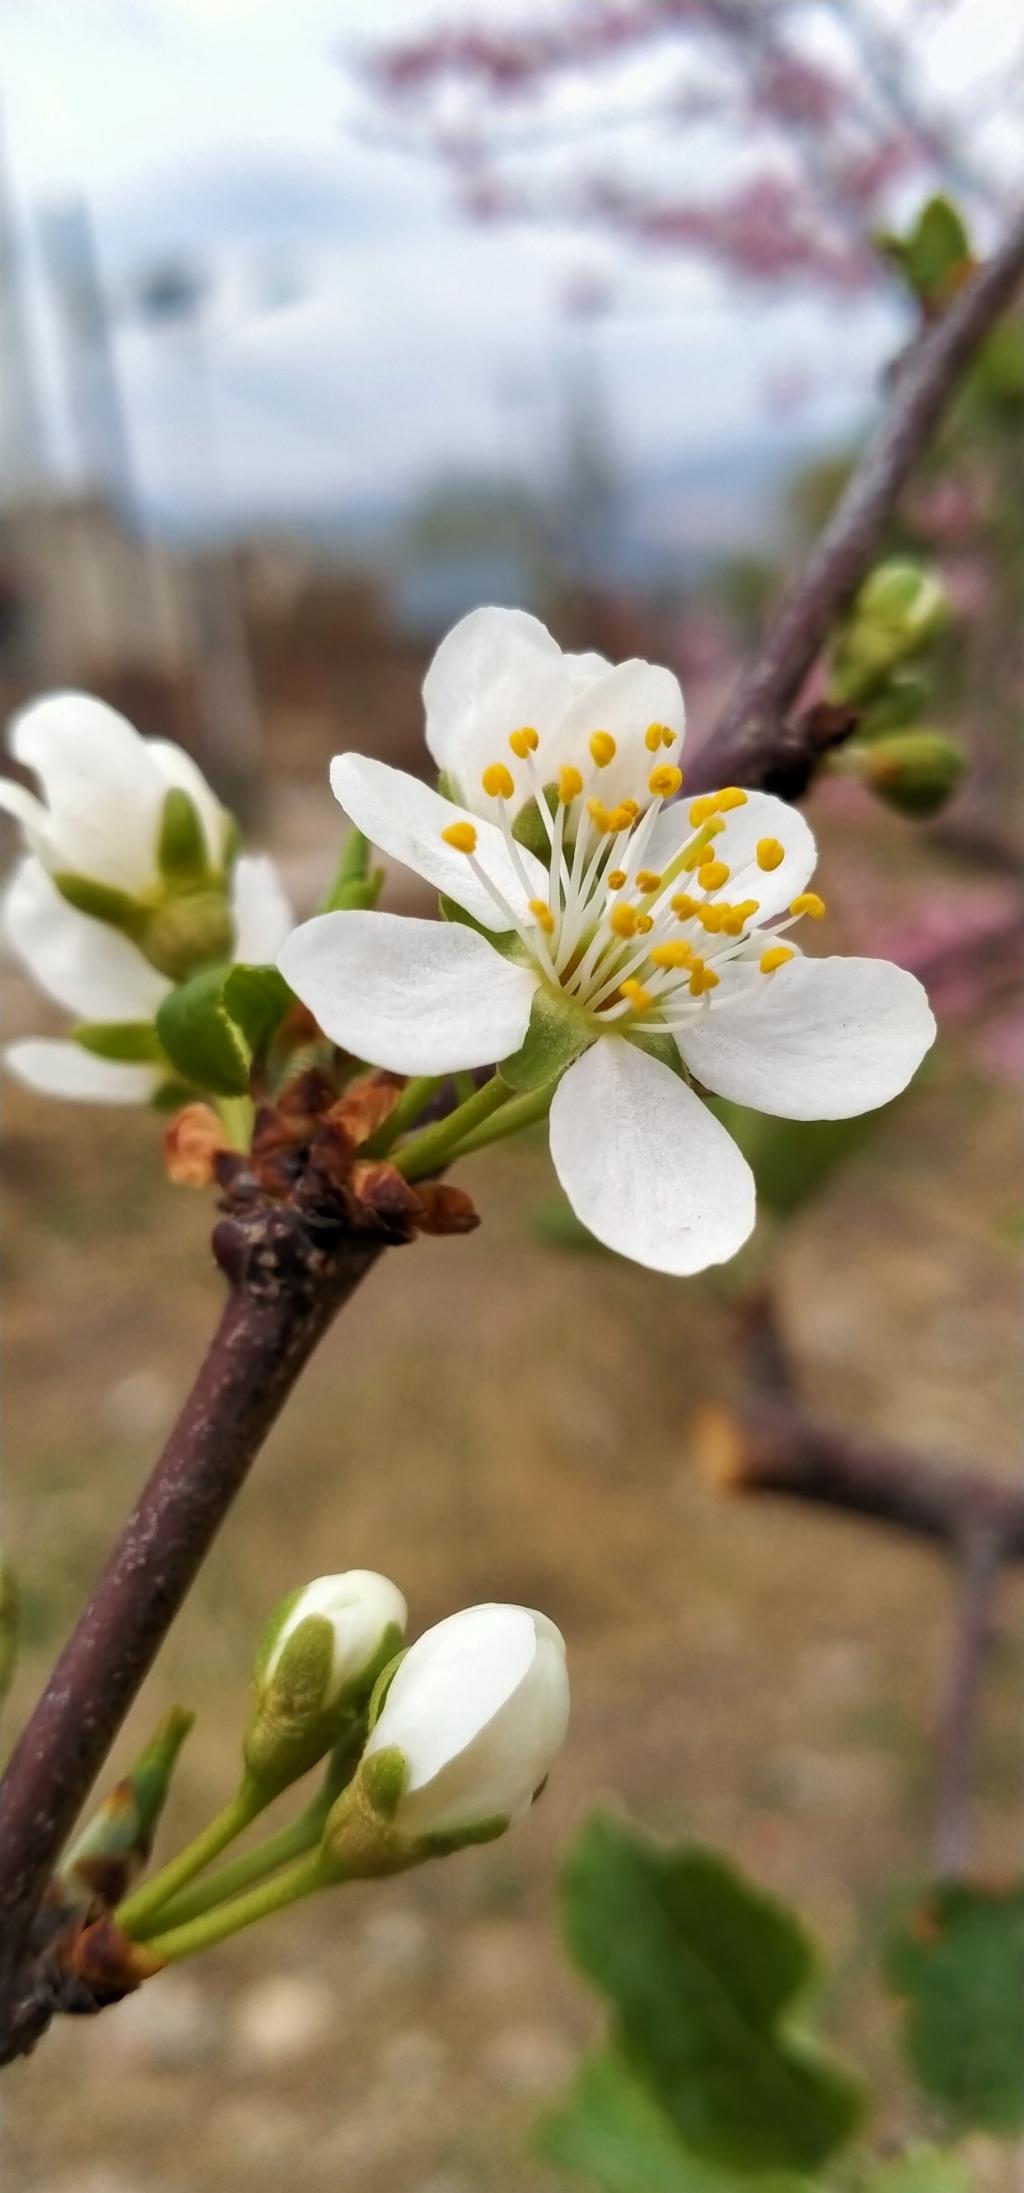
[(319, 1658), (112, 1848), (898, 611), (186, 931), (914, 771)]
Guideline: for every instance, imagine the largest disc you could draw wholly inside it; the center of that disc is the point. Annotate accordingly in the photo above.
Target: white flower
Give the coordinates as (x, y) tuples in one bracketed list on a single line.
[(649, 935), (366, 1612), (478, 1709), (105, 792)]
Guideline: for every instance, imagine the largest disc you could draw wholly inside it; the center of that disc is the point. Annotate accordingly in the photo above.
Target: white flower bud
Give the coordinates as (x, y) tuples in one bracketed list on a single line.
[(319, 1657), (478, 1711)]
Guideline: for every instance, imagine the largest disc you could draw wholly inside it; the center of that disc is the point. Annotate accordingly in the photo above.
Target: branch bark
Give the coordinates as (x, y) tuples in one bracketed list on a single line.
[(980, 1568), (752, 742)]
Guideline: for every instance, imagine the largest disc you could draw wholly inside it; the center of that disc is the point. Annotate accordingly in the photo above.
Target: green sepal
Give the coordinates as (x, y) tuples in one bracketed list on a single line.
[(127, 1042), (181, 847), (900, 702), (257, 999), (504, 941), (102, 903), (356, 885), (528, 828), (481, 1831), (384, 1777), (381, 1688), (291, 1726), (200, 1038), (112, 1848), (559, 1030)]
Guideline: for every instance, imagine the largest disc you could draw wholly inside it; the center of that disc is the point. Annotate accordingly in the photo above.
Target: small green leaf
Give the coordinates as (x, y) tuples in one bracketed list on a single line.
[(257, 999), (557, 1033), (181, 848), (356, 886), (613, 2131), (200, 1039), (129, 1042), (938, 251), (702, 1969), (958, 1959)]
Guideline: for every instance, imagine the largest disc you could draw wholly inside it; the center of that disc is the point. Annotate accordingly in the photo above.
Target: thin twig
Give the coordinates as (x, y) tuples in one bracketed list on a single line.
[(752, 742), (978, 1573)]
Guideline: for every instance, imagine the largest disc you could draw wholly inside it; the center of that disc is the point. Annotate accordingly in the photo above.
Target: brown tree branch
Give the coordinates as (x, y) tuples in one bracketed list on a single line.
[(779, 1448), (979, 1572), (752, 742)]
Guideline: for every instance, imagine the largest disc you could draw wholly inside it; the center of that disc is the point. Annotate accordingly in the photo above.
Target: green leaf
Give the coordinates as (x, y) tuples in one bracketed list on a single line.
[(557, 1033), (130, 1042), (200, 1039), (701, 1969), (938, 251), (257, 999), (958, 1959), (925, 2170), (614, 2132), (181, 849)]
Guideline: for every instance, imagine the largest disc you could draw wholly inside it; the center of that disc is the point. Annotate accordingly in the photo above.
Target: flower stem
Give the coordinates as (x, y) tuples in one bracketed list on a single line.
[(236, 1117), (301, 1879), (137, 1911), (413, 1100), (519, 1112), (435, 1144), (242, 1872)]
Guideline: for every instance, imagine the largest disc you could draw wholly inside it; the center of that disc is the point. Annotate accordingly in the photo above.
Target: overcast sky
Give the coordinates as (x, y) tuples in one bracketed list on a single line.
[(360, 336)]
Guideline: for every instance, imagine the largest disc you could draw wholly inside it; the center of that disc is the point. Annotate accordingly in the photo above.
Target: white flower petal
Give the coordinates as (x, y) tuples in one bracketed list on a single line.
[(262, 913), (103, 790), (496, 672), (763, 816), (645, 1165), (583, 669), (27, 810), (624, 701), (61, 1069), (818, 1039), (179, 771), (405, 818), (418, 997), (85, 966)]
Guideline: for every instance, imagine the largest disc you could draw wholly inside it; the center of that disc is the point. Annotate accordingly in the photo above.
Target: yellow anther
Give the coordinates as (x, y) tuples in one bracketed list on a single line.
[(524, 741), (652, 737), (776, 956), (731, 797), (770, 854), (630, 808), (684, 906), (747, 908), (808, 902), (461, 835), (542, 915), (570, 783), (713, 873), (732, 921), (711, 919), (676, 953), (668, 738), (702, 809), (664, 780), (599, 815), (647, 879), (623, 919), (645, 923), (703, 978), (638, 997), (602, 747), (615, 879), (498, 782)]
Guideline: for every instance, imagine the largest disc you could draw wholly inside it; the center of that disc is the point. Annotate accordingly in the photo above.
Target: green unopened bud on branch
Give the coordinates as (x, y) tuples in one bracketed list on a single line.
[(319, 1658), (916, 772)]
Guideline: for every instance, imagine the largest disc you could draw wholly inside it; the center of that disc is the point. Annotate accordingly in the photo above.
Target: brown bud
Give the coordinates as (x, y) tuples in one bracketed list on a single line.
[(444, 1209), (385, 1192), (366, 1105), (192, 1141)]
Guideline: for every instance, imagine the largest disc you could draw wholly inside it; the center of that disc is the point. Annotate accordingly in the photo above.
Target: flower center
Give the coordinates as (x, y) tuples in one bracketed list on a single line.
[(626, 942)]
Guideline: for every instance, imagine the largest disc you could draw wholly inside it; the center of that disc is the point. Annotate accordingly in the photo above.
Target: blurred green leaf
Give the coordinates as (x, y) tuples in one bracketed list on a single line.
[(356, 885), (130, 1042), (934, 255), (181, 851), (702, 1968), (200, 1038), (257, 999), (958, 1960), (924, 2171), (612, 2131)]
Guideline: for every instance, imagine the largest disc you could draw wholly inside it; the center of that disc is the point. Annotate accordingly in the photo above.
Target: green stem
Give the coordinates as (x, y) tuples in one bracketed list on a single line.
[(414, 1098), (301, 1879), (435, 1144), (243, 1872), (519, 1112), (237, 1115), (137, 1911)]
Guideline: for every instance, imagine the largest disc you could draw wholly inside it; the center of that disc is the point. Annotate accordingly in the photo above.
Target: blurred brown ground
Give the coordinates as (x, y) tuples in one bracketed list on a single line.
[(494, 1418)]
